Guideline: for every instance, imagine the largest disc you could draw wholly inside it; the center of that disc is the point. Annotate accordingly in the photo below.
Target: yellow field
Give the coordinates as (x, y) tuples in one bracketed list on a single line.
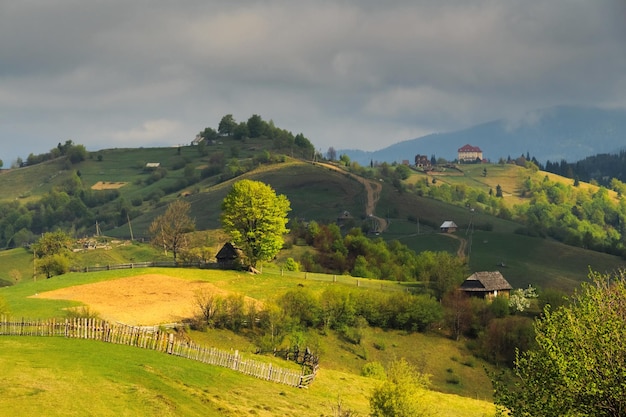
[(108, 185)]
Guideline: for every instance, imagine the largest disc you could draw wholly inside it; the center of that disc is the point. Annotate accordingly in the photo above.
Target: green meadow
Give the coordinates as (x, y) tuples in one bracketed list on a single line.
[(58, 376)]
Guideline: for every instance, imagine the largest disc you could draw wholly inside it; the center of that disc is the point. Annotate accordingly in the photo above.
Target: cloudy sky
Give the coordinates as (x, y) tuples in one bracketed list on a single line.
[(350, 74)]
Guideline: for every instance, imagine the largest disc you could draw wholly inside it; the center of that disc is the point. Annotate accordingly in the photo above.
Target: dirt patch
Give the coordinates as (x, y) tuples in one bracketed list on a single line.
[(108, 185), (140, 300)]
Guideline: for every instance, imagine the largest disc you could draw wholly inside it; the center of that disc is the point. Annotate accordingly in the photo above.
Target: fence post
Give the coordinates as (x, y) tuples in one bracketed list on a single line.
[(235, 365), (170, 343)]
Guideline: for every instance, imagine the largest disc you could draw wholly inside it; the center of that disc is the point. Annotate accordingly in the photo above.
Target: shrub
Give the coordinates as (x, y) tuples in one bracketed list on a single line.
[(374, 370)]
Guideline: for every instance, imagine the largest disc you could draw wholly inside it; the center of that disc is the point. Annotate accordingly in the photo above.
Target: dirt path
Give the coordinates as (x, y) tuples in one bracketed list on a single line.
[(462, 244), (372, 189)]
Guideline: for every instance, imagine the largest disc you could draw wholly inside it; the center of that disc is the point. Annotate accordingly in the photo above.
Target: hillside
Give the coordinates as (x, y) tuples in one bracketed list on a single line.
[(189, 386), (317, 192), (321, 194)]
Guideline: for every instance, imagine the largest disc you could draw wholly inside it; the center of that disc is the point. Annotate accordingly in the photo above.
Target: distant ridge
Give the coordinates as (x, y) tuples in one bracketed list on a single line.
[(563, 132)]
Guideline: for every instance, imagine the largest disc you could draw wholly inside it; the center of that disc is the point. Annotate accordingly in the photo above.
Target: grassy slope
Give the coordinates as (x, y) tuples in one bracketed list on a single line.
[(61, 377), (159, 381), (320, 194)]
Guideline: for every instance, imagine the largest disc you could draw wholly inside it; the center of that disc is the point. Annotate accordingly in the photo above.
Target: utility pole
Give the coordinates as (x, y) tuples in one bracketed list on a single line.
[(130, 227)]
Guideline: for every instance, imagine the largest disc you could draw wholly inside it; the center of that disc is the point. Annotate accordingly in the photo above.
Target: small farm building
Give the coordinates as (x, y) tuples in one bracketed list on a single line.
[(486, 284), (448, 227), (229, 256)]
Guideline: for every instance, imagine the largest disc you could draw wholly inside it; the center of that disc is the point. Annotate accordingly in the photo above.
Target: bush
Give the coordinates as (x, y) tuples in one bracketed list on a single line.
[(374, 370), (82, 312), (291, 265)]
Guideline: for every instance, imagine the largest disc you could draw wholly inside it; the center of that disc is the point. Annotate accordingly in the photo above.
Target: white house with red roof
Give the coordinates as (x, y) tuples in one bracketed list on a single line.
[(469, 153)]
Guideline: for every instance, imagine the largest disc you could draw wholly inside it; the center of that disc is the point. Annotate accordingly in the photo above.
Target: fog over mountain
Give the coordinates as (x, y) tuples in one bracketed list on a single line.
[(564, 132)]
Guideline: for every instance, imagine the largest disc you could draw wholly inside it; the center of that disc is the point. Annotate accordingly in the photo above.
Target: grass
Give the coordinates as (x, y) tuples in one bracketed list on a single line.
[(64, 377), (543, 263), (17, 265), (339, 358)]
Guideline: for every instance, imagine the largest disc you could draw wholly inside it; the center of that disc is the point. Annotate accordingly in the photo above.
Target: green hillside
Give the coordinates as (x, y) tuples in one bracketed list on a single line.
[(55, 370), (459, 382), (318, 194)]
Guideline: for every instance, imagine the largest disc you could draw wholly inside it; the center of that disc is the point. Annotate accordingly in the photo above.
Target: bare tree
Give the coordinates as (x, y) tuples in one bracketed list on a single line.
[(331, 154), (169, 230)]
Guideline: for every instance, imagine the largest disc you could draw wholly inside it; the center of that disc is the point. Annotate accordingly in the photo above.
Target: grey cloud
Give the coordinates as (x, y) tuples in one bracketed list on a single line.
[(347, 74)]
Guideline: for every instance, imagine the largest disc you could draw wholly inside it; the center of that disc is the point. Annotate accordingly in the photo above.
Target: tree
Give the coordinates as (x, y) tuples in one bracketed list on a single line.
[(578, 365), (52, 252), (227, 125), (256, 126), (401, 393), (331, 154), (169, 230), (241, 131), (256, 219), (76, 153), (403, 171)]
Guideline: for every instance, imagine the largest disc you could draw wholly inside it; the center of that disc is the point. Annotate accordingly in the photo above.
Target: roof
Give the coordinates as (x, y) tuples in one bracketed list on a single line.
[(469, 148), (448, 224), (228, 251), (486, 281)]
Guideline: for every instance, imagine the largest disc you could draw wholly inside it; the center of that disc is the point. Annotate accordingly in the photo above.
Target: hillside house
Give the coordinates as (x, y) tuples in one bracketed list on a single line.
[(486, 284), (344, 216), (469, 153), (448, 227), (229, 257), (422, 161), (197, 140)]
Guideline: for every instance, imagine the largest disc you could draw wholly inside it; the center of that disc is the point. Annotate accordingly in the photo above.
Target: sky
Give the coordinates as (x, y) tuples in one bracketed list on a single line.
[(351, 74)]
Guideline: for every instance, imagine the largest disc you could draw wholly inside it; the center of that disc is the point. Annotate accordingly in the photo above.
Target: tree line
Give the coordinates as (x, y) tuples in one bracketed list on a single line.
[(599, 169)]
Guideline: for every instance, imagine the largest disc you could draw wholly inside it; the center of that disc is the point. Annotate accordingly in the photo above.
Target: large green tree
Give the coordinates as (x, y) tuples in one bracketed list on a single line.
[(227, 125), (52, 253), (256, 219), (579, 365), (169, 230)]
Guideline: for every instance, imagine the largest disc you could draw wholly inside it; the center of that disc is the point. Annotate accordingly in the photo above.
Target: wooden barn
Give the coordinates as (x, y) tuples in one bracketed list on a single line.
[(486, 284), (448, 227), (229, 257)]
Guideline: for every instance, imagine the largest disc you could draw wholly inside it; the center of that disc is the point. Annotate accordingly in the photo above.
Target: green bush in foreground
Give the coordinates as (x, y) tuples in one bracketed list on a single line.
[(579, 365)]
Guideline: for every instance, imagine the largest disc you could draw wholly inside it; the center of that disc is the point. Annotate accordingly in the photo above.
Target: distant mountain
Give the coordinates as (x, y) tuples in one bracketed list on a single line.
[(564, 132)]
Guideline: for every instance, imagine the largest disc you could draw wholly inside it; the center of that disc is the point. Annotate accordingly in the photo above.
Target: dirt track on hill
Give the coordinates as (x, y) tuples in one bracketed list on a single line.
[(462, 244), (140, 300), (372, 189)]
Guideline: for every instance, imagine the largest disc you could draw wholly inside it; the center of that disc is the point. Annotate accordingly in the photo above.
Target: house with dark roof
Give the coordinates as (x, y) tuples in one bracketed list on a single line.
[(422, 161), (486, 284), (229, 257), (469, 153)]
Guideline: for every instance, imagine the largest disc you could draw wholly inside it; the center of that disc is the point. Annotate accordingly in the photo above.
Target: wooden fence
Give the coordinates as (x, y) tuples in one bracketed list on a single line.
[(382, 285), (154, 338), (150, 264)]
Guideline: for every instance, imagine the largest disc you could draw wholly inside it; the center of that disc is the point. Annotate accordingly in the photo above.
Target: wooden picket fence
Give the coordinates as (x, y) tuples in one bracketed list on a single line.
[(155, 338)]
